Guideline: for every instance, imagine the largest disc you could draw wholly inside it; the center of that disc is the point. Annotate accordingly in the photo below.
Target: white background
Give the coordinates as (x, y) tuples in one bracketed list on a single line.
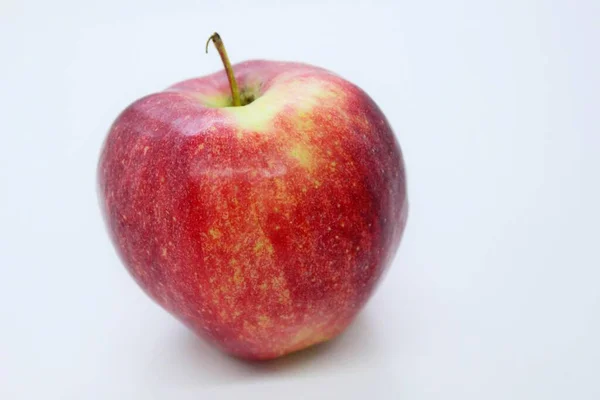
[(495, 292)]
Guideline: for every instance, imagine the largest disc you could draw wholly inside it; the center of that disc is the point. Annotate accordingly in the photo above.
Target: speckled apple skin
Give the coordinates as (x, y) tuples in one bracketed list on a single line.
[(264, 228)]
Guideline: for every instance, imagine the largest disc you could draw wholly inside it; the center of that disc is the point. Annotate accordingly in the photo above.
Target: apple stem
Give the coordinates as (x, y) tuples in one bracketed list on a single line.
[(235, 91)]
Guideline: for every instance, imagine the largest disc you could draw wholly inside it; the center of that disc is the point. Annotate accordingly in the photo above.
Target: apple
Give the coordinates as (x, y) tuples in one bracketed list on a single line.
[(259, 205)]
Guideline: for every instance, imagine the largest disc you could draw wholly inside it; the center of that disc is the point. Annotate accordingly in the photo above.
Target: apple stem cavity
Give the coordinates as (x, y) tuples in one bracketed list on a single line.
[(235, 91)]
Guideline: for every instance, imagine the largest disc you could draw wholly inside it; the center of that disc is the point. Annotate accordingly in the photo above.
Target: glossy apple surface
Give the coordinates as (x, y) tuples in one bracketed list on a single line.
[(264, 228)]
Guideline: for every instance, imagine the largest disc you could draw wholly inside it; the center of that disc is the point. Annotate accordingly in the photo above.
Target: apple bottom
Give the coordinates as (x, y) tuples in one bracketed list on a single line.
[(266, 326), (270, 342)]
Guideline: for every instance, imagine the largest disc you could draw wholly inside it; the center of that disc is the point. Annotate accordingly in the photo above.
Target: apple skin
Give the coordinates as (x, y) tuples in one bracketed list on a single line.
[(264, 228)]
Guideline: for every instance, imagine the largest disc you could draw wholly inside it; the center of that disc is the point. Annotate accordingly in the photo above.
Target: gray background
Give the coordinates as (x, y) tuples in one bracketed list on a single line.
[(494, 294)]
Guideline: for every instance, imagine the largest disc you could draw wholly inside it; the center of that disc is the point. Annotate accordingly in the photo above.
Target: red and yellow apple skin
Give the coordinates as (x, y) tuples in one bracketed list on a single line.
[(264, 228)]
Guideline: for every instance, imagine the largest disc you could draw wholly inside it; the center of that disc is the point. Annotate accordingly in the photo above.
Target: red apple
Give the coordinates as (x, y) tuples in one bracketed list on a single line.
[(263, 227)]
